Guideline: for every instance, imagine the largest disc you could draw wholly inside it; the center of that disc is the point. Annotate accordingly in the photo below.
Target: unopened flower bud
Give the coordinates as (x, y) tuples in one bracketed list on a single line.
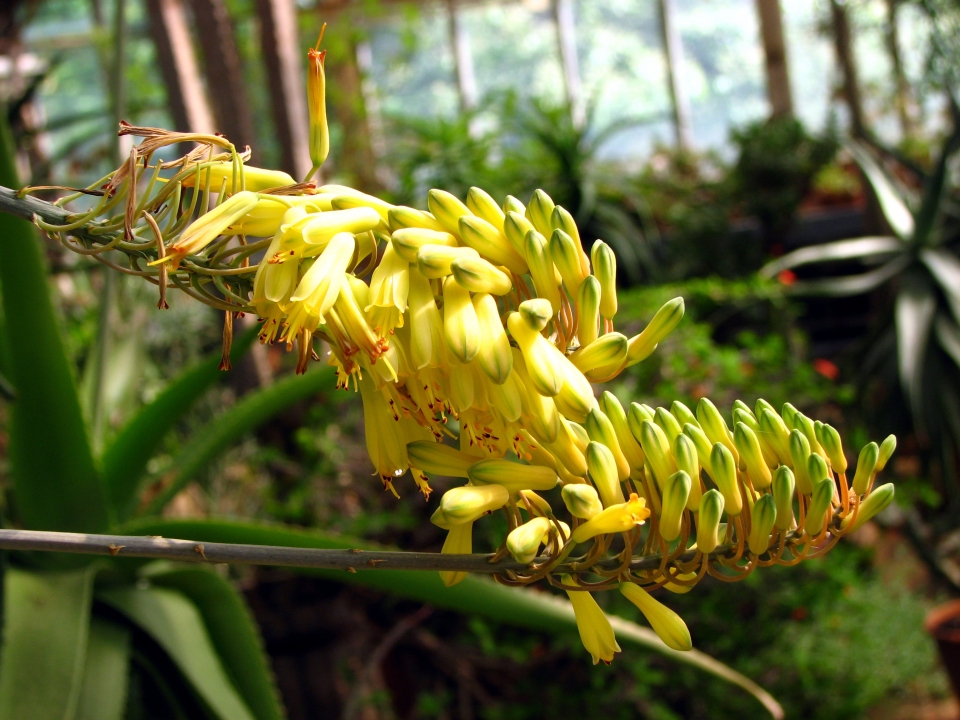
[(600, 429), (656, 448), (542, 272), (775, 431), (436, 261), (491, 243), (479, 276), (466, 504), (618, 419), (763, 515), (668, 423), (685, 454), (408, 241), (789, 414), (588, 306), (702, 444), (495, 356), (676, 491), (536, 313), (208, 227), (536, 502), (459, 542), (539, 211), (662, 324), (545, 373), (461, 328), (833, 446), (725, 475), (708, 521), (683, 414), (603, 471), (714, 426), (669, 626), (819, 504), (439, 459), (614, 519), (566, 256), (516, 227), (865, 467), (749, 448), (817, 469), (582, 500), (512, 475), (601, 358), (447, 209), (512, 204), (886, 452), (875, 502), (483, 206), (523, 542), (605, 270), (805, 425), (800, 456), (317, 107), (782, 488), (740, 405), (563, 220), (400, 217)]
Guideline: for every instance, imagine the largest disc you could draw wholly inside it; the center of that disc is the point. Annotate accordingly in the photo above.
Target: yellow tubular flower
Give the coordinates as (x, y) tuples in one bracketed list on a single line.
[(389, 289), (568, 455), (596, 633), (505, 400), (605, 270), (466, 504), (323, 226), (408, 241), (776, 433), (208, 227), (491, 243), (516, 227), (631, 449), (542, 269), (427, 344), (676, 491), (513, 476), (588, 304), (524, 541), (461, 328), (269, 214), (447, 209), (663, 323), (435, 261), (254, 179), (317, 107), (485, 207), (540, 211), (576, 398), (495, 356), (439, 459), (479, 276), (665, 622), (582, 500), (347, 313), (321, 284), (354, 199), (702, 444), (601, 358), (545, 374), (683, 414), (614, 519), (600, 429), (708, 521), (459, 542), (540, 411), (401, 216)]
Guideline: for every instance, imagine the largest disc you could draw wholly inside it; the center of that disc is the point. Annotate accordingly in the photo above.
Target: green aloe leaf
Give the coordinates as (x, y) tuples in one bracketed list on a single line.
[(103, 694), (948, 334), (475, 595), (229, 427), (177, 626), (45, 628), (860, 248), (852, 284), (125, 460), (934, 189), (55, 480), (914, 311), (894, 209), (232, 630), (945, 268)]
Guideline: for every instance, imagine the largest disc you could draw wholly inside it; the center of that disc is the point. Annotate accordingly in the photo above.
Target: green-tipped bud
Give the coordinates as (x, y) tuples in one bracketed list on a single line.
[(668, 423), (408, 241), (833, 446), (600, 429), (708, 521), (484, 206), (805, 425), (588, 307), (743, 407), (566, 256), (762, 405), (601, 358), (516, 227), (714, 426), (539, 212), (743, 416), (817, 469), (656, 447), (438, 459), (461, 328), (512, 204), (776, 434), (513, 476), (676, 492), (762, 518), (702, 444), (800, 455), (683, 414), (436, 261), (603, 471), (495, 355), (783, 487), (819, 504), (466, 504), (788, 413), (536, 502), (749, 448), (563, 220), (582, 501), (317, 108), (866, 464), (523, 542), (459, 542), (479, 276), (541, 269), (605, 270), (669, 626), (447, 209), (874, 503), (490, 242), (725, 476), (401, 216), (685, 454), (886, 452), (536, 313), (662, 324), (618, 419)]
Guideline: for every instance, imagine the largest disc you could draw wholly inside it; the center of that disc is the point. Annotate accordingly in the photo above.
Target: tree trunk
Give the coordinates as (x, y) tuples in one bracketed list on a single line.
[(775, 56), (902, 99), (567, 42), (462, 59), (673, 53), (843, 43)]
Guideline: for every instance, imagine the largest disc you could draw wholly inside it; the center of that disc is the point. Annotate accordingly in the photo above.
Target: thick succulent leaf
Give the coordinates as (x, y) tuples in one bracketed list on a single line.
[(125, 460), (45, 627), (475, 595), (55, 480), (945, 267), (103, 694), (232, 630), (934, 189), (914, 311), (177, 626), (948, 335), (852, 284), (860, 248), (229, 427), (893, 206)]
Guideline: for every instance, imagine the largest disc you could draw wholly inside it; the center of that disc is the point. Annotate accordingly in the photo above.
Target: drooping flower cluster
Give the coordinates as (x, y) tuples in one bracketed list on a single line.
[(475, 333)]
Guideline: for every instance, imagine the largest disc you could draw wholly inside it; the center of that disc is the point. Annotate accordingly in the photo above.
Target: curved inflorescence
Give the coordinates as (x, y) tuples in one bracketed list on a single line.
[(474, 333)]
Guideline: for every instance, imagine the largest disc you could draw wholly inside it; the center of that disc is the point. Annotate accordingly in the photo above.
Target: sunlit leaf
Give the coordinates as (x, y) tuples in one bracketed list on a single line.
[(851, 284), (945, 267), (915, 308), (894, 209), (860, 248)]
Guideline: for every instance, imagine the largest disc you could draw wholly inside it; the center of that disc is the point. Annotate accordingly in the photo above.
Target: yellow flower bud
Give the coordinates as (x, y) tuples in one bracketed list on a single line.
[(495, 356), (775, 431), (321, 227), (479, 276), (749, 448), (513, 476), (763, 515), (676, 492), (629, 446), (540, 211), (751, 420), (819, 504), (875, 502), (886, 452), (596, 633), (614, 519), (447, 209), (459, 542), (544, 372), (702, 444), (516, 227), (685, 454), (408, 241), (566, 255), (466, 504), (355, 199), (805, 425), (401, 216), (600, 429), (601, 358), (588, 308), (213, 175), (317, 107), (833, 446), (708, 521), (427, 344), (461, 328), (865, 467), (439, 459), (540, 411), (491, 243), (567, 453), (208, 227), (542, 270), (563, 220), (436, 261), (714, 427), (679, 589), (662, 324), (603, 471), (536, 313), (605, 270), (800, 457), (669, 626), (512, 204), (782, 488), (817, 469), (483, 206), (656, 448), (668, 423), (725, 476), (523, 542), (582, 500), (683, 414), (538, 503)]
